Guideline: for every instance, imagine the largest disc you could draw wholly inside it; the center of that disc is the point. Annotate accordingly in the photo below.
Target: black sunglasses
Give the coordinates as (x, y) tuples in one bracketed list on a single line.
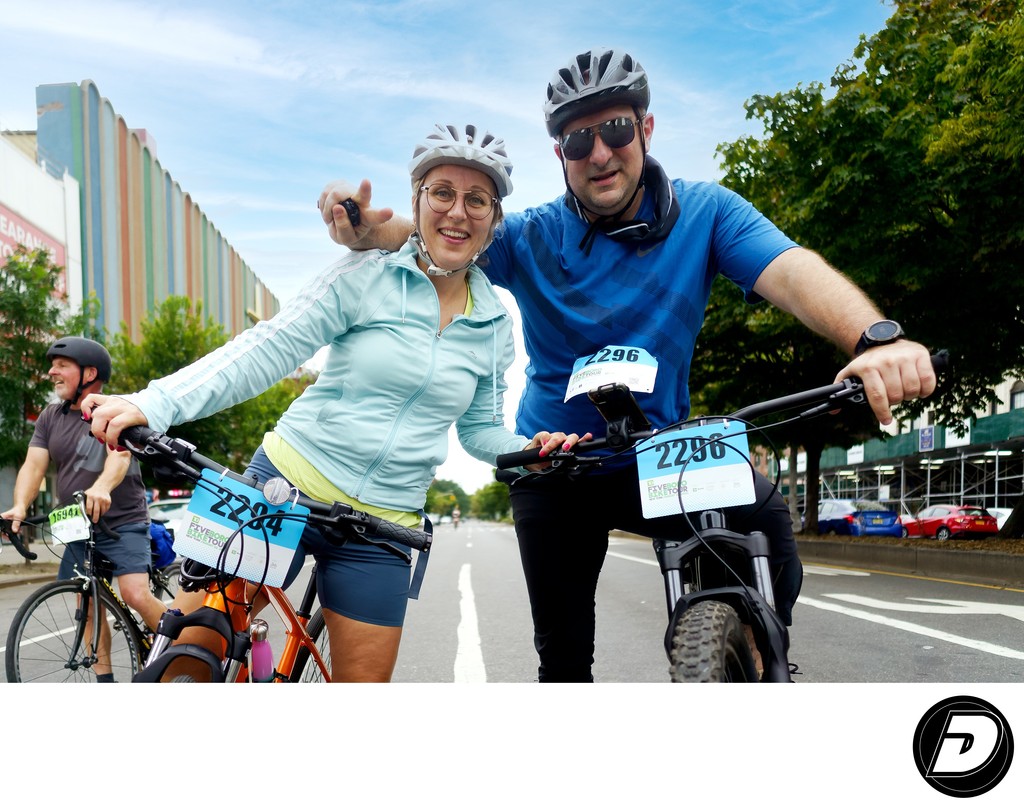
[(616, 133)]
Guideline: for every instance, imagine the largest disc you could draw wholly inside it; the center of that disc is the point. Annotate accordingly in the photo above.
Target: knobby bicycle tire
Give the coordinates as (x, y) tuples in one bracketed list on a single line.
[(710, 645), (306, 669), (46, 642)]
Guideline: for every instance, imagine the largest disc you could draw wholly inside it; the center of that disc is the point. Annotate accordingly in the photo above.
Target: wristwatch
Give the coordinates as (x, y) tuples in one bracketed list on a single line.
[(884, 332)]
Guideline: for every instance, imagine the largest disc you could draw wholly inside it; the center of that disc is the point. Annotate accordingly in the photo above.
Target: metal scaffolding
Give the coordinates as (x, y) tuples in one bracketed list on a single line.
[(992, 477)]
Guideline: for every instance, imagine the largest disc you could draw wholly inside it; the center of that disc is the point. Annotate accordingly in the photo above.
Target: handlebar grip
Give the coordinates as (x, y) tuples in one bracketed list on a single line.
[(17, 542), (940, 361), (416, 539), (17, 539), (515, 459), (136, 434)]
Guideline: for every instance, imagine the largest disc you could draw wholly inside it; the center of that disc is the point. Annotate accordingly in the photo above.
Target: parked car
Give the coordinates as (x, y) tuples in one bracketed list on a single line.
[(1001, 515), (860, 517), (168, 511), (947, 521)]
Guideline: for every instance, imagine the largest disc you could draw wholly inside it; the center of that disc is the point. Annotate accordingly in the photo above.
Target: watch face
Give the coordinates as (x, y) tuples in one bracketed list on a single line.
[(883, 330)]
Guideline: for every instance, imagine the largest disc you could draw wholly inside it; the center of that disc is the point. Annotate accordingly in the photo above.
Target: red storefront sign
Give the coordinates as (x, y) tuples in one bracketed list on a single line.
[(14, 231)]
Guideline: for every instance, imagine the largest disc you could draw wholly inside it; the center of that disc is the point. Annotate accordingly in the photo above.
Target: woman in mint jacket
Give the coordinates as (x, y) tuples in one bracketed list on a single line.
[(417, 340)]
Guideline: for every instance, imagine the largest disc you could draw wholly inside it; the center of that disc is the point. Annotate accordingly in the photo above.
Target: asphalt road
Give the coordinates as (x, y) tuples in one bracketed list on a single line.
[(472, 624)]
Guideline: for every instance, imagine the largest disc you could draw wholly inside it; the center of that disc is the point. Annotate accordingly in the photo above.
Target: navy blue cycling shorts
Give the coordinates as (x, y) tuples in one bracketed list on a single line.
[(130, 553), (359, 581)]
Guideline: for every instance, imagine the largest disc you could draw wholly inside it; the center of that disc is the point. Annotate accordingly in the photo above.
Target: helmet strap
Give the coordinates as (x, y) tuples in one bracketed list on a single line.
[(70, 402)]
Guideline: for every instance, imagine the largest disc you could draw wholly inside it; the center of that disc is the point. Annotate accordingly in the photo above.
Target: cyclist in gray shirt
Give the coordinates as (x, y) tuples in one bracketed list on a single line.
[(111, 481)]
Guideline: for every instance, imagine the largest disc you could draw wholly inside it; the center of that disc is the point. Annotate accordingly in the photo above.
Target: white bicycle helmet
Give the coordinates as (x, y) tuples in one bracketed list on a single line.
[(591, 81), (472, 147)]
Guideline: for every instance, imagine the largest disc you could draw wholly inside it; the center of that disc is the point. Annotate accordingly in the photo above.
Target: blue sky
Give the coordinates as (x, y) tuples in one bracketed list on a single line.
[(254, 106)]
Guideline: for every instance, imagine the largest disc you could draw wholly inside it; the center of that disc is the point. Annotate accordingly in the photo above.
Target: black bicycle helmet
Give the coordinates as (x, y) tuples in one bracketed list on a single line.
[(86, 352), (593, 80)]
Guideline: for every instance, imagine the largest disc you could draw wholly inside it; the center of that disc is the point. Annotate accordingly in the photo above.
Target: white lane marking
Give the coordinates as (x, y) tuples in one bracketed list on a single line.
[(652, 562), (811, 569), (924, 606), (469, 660), (902, 625)]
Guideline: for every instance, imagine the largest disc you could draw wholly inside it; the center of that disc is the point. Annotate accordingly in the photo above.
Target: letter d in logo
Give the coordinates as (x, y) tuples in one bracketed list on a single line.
[(963, 746)]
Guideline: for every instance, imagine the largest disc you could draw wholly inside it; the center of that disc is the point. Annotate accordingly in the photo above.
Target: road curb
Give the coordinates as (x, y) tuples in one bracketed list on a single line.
[(13, 579), (989, 568)]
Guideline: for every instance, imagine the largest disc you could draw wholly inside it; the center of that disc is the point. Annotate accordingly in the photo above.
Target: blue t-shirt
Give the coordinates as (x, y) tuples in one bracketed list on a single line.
[(644, 296)]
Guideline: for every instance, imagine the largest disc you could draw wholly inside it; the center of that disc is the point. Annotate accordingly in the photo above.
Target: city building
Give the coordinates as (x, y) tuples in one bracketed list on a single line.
[(90, 189), (94, 191)]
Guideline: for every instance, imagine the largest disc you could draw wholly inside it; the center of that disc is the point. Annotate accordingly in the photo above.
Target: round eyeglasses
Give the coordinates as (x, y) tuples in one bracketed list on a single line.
[(441, 199)]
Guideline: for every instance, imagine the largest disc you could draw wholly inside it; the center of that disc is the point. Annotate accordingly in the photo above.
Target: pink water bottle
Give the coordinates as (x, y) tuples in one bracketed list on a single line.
[(262, 656)]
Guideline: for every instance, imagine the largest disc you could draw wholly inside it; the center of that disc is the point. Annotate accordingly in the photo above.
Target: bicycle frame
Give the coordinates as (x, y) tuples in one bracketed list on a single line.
[(89, 578), (703, 567), (226, 610)]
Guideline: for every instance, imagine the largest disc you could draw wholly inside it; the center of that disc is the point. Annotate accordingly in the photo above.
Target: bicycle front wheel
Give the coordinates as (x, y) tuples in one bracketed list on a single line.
[(710, 645), (306, 669), (47, 641), (164, 582)]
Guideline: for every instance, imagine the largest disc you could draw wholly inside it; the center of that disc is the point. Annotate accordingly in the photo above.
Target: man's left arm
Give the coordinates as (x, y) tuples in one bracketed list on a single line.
[(802, 283)]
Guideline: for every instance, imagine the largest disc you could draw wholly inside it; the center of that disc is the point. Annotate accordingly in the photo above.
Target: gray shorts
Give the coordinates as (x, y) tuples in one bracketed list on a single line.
[(130, 553)]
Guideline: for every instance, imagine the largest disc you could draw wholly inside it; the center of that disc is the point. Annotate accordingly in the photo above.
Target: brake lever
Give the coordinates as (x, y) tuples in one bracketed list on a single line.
[(853, 394)]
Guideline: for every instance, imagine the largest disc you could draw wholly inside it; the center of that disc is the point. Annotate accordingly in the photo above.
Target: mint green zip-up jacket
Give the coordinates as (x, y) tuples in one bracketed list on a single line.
[(376, 421)]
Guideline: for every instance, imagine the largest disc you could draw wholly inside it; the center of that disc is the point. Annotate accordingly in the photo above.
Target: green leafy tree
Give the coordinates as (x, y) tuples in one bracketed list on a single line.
[(444, 496), (491, 502), (175, 335), (880, 180), (33, 315)]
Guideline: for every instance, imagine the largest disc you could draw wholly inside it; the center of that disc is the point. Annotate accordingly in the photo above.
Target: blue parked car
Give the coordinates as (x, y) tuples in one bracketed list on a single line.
[(849, 517)]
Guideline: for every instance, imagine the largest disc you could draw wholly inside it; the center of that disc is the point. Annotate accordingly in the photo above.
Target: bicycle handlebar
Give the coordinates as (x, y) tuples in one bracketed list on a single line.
[(817, 401), (161, 450), (19, 544)]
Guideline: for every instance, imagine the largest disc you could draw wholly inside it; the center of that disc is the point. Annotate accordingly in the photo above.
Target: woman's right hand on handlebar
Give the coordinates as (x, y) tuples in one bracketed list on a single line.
[(337, 219), (109, 415), (548, 442)]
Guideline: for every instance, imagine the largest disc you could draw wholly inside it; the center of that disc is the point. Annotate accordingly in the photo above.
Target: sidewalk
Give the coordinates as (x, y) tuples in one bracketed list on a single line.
[(15, 570)]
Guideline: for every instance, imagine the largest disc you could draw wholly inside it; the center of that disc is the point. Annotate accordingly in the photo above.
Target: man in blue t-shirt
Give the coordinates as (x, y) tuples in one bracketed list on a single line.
[(622, 266)]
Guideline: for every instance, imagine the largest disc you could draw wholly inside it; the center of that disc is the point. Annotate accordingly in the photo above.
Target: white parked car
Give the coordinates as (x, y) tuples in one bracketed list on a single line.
[(168, 511)]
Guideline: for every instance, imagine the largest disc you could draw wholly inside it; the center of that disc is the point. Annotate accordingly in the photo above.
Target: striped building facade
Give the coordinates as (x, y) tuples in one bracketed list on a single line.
[(143, 237)]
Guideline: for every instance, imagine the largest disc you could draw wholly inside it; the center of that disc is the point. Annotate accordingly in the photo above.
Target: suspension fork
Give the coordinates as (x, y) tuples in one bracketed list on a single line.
[(673, 554)]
